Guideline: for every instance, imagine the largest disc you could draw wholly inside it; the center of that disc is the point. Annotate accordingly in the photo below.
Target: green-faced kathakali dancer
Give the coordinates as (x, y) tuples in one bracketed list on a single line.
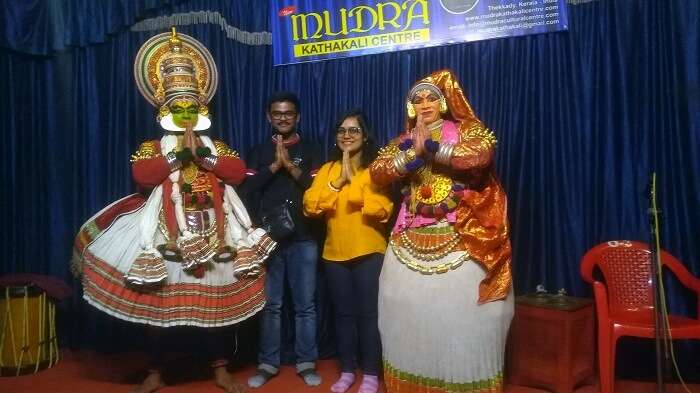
[(182, 251)]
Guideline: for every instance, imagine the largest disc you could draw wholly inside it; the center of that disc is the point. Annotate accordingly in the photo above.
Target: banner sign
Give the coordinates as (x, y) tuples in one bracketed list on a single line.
[(311, 30)]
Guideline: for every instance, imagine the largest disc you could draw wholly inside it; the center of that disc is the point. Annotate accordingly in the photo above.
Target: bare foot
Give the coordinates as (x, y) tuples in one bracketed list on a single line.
[(152, 383), (225, 381)]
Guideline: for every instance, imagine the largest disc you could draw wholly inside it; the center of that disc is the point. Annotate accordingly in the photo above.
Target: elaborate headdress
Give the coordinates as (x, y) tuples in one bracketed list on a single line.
[(449, 90), (172, 66)]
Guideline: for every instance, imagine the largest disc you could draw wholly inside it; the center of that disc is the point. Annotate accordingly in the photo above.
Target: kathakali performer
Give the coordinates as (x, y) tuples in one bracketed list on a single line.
[(182, 251), (445, 294)]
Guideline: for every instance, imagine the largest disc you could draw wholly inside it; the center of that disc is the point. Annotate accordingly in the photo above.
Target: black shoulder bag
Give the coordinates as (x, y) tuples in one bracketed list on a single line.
[(277, 221)]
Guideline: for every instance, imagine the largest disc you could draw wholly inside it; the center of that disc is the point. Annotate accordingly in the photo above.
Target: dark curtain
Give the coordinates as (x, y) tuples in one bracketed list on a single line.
[(42, 27), (582, 118)]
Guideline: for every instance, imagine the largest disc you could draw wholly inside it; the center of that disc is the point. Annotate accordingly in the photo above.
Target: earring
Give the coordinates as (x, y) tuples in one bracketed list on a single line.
[(163, 111), (411, 111), (443, 105), (203, 110)]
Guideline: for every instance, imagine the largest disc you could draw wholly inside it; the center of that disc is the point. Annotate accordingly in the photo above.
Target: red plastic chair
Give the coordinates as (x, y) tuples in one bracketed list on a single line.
[(625, 302)]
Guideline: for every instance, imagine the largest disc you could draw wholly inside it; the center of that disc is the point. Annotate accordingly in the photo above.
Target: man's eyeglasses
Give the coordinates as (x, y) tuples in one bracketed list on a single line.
[(352, 131), (279, 115)]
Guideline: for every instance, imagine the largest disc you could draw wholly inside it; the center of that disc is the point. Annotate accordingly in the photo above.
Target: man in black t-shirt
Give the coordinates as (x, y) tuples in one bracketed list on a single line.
[(281, 170)]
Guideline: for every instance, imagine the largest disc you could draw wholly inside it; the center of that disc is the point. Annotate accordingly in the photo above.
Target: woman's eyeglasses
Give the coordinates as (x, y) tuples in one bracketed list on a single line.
[(352, 131)]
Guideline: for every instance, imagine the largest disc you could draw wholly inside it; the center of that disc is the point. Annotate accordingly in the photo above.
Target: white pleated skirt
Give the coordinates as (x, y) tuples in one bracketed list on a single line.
[(435, 336), (215, 299)]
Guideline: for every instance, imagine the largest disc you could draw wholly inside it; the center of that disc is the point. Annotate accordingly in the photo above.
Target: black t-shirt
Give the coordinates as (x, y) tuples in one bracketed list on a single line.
[(264, 190)]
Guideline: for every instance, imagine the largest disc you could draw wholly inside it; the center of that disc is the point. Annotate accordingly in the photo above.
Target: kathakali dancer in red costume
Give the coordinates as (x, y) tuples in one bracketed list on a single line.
[(445, 295), (182, 252)]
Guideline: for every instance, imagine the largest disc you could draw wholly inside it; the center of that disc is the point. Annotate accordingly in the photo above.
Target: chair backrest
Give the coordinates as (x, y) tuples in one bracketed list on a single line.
[(626, 269)]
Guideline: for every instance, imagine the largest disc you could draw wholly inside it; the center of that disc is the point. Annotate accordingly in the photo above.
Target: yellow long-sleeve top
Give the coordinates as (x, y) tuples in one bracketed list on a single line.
[(355, 216)]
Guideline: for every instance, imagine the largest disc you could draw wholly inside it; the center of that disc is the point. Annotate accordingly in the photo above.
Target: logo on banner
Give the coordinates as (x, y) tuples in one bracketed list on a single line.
[(458, 6), (361, 27), (286, 11)]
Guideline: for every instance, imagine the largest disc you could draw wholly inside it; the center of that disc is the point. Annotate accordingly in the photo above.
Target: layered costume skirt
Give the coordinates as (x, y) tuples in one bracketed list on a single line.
[(109, 243), (436, 338)]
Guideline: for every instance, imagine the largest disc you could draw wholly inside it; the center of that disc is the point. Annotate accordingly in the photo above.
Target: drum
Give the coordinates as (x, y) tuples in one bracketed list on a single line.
[(27, 331)]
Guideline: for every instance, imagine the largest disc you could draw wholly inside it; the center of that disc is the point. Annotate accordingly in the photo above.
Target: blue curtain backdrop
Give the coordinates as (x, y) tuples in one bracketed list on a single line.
[(582, 118)]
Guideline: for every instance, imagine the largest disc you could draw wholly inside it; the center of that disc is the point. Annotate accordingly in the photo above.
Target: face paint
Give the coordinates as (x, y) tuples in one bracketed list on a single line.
[(427, 104), (185, 113)]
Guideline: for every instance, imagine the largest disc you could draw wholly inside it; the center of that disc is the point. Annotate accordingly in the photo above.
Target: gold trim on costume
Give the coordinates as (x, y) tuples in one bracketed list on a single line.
[(189, 173), (146, 151), (487, 136), (428, 243), (424, 269), (390, 150), (223, 150)]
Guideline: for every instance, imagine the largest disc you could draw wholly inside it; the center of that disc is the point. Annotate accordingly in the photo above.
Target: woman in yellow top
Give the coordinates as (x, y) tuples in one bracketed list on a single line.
[(356, 212)]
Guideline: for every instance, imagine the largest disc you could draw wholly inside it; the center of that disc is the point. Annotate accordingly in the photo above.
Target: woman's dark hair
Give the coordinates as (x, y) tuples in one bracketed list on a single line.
[(369, 148), (284, 96)]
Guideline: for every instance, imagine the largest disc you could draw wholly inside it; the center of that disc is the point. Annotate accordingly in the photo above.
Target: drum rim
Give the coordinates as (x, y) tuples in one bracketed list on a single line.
[(16, 291)]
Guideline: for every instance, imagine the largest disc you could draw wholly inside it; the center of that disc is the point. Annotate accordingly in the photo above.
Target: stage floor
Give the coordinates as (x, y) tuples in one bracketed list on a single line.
[(91, 372)]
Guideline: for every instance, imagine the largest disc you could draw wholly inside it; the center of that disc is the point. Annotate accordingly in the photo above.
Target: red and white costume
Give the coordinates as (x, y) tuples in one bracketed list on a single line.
[(182, 251)]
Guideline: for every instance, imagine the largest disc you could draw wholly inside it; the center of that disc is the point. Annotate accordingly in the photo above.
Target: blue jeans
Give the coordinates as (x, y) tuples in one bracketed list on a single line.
[(297, 261)]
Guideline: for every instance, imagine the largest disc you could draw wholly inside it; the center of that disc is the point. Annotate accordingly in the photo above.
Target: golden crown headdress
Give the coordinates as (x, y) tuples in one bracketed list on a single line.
[(173, 66)]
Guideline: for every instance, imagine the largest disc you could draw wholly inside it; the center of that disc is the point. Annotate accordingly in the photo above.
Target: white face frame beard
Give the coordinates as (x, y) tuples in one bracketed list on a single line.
[(203, 123)]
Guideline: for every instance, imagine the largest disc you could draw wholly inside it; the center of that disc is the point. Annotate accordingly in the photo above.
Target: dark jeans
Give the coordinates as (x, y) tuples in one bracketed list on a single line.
[(296, 261), (354, 287)]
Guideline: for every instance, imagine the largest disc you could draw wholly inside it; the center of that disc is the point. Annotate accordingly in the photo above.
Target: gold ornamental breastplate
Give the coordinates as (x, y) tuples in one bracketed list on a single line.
[(429, 187)]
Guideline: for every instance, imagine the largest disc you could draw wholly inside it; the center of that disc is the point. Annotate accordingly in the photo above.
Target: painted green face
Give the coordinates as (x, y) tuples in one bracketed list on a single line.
[(185, 113)]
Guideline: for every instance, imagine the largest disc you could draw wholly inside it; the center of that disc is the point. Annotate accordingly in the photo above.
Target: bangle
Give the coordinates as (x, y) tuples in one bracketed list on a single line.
[(400, 161), (444, 153), (411, 154), (209, 162), (404, 158), (173, 162), (332, 187)]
